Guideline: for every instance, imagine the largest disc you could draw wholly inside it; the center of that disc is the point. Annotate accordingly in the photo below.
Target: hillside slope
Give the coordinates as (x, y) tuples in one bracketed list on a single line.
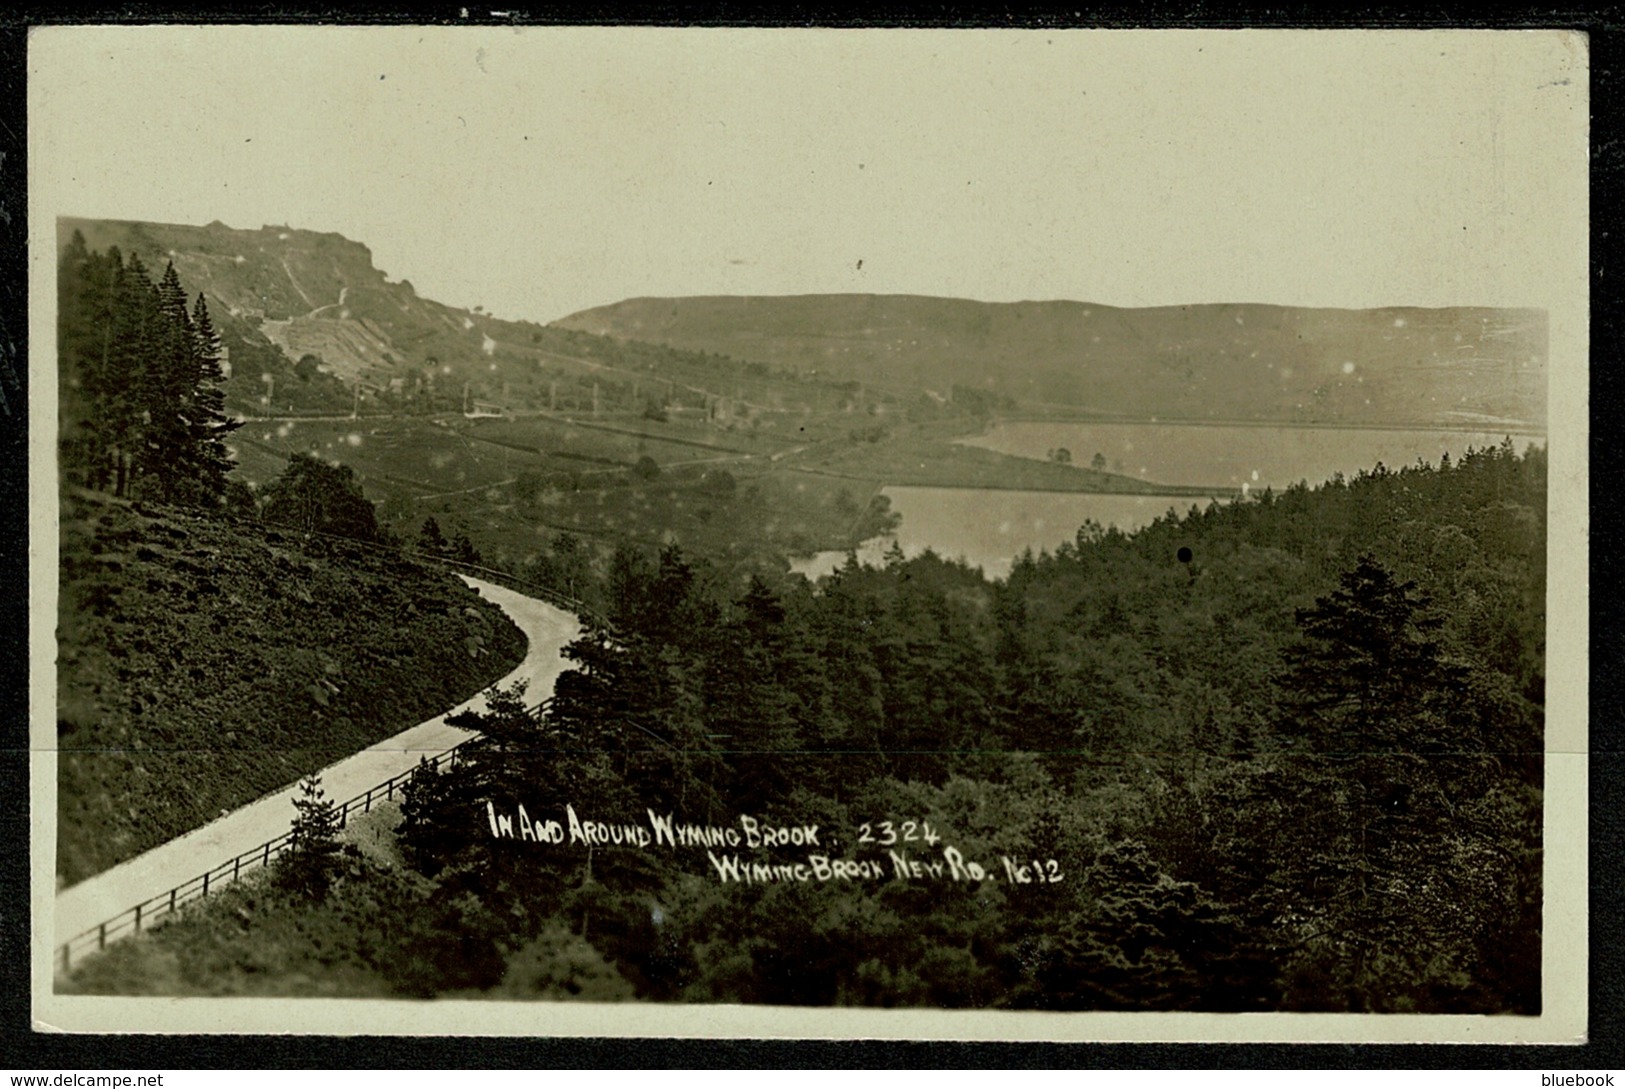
[(1220, 361), (201, 665), (312, 325)]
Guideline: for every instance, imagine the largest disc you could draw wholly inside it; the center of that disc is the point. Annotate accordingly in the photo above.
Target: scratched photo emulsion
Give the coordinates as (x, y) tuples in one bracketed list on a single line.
[(581, 532)]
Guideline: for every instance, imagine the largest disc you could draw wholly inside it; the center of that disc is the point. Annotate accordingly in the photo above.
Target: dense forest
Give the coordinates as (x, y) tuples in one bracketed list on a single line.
[(1281, 754), (142, 412)]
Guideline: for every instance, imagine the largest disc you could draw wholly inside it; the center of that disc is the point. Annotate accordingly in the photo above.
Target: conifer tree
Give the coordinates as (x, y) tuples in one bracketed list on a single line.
[(84, 286), (1369, 665), (309, 864), (209, 423), (142, 409), (463, 551), (430, 540), (168, 378), (129, 373)]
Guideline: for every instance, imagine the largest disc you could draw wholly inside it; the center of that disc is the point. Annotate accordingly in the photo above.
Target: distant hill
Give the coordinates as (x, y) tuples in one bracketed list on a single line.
[(1434, 367), (281, 295), (312, 325)]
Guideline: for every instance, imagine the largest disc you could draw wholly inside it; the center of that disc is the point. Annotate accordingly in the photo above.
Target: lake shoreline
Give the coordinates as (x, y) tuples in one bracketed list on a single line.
[(1516, 429), (1150, 490)]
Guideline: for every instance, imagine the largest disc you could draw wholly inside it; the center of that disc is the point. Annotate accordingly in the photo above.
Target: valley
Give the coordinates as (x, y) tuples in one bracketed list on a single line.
[(761, 431), (1083, 618)]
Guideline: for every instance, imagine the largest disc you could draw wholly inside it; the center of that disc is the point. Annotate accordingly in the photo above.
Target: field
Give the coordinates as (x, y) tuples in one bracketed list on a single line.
[(750, 496)]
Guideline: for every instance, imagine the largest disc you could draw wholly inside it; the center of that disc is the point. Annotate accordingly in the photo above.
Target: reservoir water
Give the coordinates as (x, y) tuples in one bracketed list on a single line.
[(988, 528)]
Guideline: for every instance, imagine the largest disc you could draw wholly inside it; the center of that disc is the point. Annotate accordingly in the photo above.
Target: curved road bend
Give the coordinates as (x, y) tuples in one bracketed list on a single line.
[(98, 898)]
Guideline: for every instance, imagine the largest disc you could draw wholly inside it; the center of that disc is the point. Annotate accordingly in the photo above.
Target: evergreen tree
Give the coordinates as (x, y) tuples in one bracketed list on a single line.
[(209, 424), (84, 299), (753, 705), (310, 863), (1370, 664), (129, 373), (168, 380), (463, 551), (141, 405), (1376, 827), (430, 540)]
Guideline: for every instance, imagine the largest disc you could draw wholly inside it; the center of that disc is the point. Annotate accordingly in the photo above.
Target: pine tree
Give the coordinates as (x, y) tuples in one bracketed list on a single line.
[(463, 551), (128, 373), (751, 697), (142, 408), (430, 540), (84, 287), (210, 425), (310, 863), (1370, 664), (169, 379), (1374, 830)]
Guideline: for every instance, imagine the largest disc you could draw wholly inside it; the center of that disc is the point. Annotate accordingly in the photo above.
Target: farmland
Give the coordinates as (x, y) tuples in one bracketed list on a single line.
[(749, 496)]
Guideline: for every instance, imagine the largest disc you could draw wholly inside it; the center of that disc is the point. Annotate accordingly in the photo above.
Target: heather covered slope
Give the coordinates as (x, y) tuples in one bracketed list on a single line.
[(202, 664), (1393, 365)]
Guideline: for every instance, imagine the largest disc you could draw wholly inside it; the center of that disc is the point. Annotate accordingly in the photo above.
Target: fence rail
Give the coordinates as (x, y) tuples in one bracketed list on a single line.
[(149, 911)]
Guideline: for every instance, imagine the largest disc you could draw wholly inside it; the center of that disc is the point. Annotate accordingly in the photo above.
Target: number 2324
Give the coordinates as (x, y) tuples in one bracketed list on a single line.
[(887, 834)]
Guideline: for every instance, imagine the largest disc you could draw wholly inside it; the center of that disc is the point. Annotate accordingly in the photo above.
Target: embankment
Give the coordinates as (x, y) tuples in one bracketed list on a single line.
[(203, 664)]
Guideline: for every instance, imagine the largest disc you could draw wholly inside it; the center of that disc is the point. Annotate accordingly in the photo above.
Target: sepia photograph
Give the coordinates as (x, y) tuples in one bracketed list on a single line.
[(1023, 534)]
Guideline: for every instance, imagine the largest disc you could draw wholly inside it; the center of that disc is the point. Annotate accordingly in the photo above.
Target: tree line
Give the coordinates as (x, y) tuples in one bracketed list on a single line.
[(1300, 770), (142, 413)]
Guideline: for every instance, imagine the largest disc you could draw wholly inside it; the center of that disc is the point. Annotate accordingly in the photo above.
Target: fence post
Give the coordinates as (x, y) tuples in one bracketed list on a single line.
[(450, 757)]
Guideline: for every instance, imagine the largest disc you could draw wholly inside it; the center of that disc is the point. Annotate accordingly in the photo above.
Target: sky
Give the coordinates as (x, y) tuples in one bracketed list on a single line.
[(536, 172)]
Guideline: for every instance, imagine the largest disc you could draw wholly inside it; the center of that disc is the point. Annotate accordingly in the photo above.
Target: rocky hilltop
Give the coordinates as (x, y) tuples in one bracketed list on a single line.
[(311, 325), (303, 293)]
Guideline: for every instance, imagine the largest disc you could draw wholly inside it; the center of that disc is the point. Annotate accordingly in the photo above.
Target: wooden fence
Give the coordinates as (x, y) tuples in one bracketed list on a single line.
[(149, 911)]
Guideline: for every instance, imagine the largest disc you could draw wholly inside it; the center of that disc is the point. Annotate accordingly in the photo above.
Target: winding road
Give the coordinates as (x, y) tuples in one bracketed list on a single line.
[(110, 892)]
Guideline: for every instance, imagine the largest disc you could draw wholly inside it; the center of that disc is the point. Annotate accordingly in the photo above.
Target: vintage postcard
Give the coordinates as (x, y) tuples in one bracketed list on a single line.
[(1019, 535)]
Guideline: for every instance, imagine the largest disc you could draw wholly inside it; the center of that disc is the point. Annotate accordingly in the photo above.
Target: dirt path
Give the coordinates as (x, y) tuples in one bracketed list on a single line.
[(98, 898)]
